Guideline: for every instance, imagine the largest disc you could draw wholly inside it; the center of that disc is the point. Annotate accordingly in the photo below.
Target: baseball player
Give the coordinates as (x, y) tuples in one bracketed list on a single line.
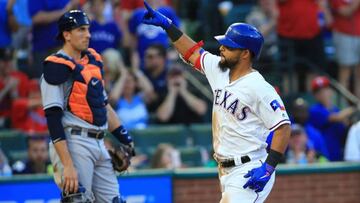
[(78, 113), (245, 109)]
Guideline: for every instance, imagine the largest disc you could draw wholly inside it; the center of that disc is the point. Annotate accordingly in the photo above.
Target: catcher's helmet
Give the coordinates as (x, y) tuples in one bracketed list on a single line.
[(71, 20), (242, 36)]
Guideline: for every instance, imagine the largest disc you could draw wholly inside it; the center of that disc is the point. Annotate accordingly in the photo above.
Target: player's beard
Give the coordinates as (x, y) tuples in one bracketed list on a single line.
[(227, 64)]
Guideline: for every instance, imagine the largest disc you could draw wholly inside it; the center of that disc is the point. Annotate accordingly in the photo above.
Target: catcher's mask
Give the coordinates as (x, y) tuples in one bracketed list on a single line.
[(81, 196)]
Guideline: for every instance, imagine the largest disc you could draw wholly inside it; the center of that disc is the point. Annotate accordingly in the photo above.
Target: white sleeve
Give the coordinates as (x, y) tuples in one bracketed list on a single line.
[(271, 110), (51, 95), (210, 66), (352, 146)]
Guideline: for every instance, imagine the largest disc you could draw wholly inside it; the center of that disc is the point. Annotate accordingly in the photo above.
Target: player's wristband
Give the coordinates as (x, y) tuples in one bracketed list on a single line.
[(174, 33), (273, 158), (122, 135)]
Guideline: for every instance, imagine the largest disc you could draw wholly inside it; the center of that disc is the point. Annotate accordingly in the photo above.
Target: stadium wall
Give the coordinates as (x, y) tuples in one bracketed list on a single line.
[(318, 183), (325, 183)]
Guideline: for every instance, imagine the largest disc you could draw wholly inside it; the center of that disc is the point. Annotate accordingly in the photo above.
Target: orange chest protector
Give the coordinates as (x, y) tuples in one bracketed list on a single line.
[(86, 99)]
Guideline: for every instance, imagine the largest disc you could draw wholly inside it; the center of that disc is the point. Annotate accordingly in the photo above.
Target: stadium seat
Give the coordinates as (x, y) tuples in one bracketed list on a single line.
[(201, 135), (149, 138), (193, 156), (13, 144), (17, 155)]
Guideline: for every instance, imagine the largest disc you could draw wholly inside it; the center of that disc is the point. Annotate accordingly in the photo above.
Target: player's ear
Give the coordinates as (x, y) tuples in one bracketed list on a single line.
[(66, 35), (245, 54)]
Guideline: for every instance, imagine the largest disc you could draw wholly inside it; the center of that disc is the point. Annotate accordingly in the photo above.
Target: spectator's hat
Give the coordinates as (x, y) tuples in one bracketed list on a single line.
[(319, 82)]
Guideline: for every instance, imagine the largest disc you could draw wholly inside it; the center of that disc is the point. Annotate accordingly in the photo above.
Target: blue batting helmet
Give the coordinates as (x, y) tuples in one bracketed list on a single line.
[(242, 36), (71, 20)]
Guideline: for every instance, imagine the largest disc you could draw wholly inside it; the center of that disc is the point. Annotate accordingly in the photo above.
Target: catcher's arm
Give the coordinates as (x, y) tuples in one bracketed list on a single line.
[(118, 130), (113, 120), (122, 153)]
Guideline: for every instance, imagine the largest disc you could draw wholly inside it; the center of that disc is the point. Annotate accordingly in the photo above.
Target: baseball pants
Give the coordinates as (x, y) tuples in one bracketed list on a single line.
[(232, 181), (93, 164)]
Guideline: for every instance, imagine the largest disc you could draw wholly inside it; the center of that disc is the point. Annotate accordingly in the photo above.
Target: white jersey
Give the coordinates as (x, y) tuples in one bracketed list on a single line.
[(245, 111), (57, 96)]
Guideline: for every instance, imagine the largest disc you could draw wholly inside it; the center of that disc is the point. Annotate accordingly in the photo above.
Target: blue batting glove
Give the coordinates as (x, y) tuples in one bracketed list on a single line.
[(259, 177), (153, 17)]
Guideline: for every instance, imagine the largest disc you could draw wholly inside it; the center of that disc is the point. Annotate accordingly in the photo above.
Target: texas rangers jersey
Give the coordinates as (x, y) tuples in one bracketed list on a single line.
[(244, 111), (57, 96)]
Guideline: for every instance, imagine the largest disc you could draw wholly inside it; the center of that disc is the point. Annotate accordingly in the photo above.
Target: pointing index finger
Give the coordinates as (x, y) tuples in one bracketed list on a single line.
[(148, 7)]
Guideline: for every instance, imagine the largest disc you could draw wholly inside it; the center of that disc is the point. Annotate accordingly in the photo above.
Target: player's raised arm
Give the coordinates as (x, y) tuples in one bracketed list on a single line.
[(182, 42)]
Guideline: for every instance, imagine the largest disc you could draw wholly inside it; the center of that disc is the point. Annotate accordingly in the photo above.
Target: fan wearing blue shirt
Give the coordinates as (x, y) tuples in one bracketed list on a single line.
[(145, 35), (104, 34), (8, 23), (44, 15), (300, 115), (328, 118)]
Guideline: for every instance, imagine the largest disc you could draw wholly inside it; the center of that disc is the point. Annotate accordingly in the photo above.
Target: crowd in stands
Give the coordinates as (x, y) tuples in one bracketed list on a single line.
[(308, 44)]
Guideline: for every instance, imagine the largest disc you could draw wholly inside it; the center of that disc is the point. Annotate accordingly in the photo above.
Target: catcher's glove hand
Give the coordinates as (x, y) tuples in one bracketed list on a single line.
[(120, 157)]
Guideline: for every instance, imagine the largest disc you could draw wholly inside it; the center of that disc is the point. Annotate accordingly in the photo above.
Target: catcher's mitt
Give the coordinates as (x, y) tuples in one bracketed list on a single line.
[(120, 157)]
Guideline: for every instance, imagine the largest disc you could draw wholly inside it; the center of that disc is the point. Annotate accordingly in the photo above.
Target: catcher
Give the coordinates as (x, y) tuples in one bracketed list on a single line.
[(78, 113)]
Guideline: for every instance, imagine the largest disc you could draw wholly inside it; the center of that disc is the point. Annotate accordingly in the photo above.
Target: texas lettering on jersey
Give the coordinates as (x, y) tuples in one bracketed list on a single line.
[(244, 110), (230, 103)]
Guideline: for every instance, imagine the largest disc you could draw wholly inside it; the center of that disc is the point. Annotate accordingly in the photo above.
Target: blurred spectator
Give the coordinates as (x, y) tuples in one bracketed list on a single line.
[(299, 152), (131, 92), (299, 35), (352, 146), (347, 41), (21, 38), (21, 13), (13, 84), (237, 10), (144, 35), (124, 11), (157, 72), (264, 17), (27, 113), (5, 169), (38, 157), (108, 11), (8, 23), (44, 15), (113, 64), (104, 34), (300, 115), (179, 105), (155, 67), (211, 20), (166, 157), (328, 119)]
